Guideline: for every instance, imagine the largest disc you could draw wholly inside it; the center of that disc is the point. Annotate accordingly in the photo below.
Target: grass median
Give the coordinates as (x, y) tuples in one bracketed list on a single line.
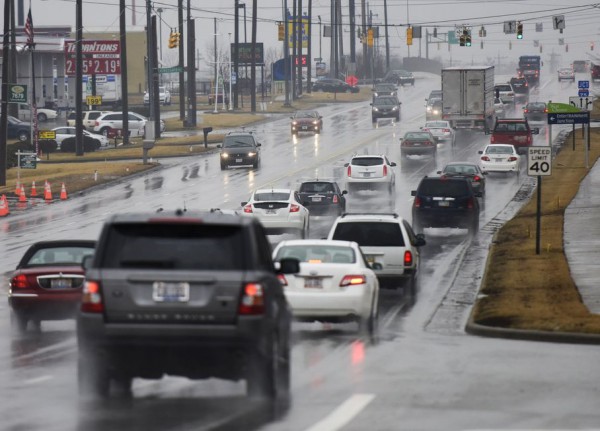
[(523, 290)]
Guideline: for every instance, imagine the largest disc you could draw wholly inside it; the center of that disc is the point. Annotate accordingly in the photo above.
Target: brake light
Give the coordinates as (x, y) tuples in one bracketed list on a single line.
[(512, 159), (384, 170), (252, 301), (294, 208), (282, 279), (248, 208), (485, 158), (97, 123), (529, 139), (526, 110), (19, 282), (446, 130), (353, 280), (417, 202), (545, 110), (492, 139), (335, 199), (470, 203), (408, 258), (91, 300), (476, 178), (349, 171)]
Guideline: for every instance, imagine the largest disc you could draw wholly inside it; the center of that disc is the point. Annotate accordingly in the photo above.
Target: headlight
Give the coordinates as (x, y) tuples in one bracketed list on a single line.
[(251, 154), (315, 122), (395, 108), (375, 109), (429, 109), (376, 94), (435, 111), (224, 155), (294, 123)]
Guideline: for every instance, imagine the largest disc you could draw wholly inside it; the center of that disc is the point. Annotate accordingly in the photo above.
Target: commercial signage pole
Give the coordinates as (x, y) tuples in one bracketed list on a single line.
[(538, 221)]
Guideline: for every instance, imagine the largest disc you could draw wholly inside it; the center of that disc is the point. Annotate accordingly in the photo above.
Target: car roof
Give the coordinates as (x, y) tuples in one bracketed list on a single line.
[(511, 120), (273, 191), (319, 181), (369, 217), (173, 216), (317, 242)]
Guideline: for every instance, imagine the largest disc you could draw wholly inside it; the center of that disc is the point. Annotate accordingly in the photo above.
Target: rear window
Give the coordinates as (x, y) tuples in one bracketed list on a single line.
[(174, 246), (370, 234), (367, 161), (94, 115), (59, 256), (503, 87), (511, 127), (316, 188), (536, 106), (271, 196), (317, 253), (446, 188)]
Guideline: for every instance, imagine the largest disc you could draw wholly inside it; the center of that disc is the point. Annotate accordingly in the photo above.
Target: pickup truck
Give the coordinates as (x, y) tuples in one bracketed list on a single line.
[(514, 131)]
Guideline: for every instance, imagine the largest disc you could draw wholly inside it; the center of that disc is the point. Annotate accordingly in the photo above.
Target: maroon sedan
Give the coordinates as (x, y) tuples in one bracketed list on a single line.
[(307, 121), (47, 283)]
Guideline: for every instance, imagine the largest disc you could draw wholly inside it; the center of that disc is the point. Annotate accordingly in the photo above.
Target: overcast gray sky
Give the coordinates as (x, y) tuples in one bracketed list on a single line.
[(582, 23)]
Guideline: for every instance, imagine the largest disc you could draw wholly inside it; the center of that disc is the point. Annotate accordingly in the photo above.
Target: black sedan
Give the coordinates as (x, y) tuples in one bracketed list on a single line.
[(330, 85), (385, 107), (322, 197), (468, 170)]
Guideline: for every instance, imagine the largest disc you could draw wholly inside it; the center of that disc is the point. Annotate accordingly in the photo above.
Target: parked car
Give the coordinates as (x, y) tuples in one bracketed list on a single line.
[(441, 131), (63, 133), (418, 143), (500, 158), (240, 149), (114, 120), (514, 131), (47, 282), (566, 73), (387, 240), (279, 210), (536, 111), (43, 114), (306, 121), (469, 170), (17, 129), (164, 96), (385, 107), (335, 283), (370, 172), (330, 85), (322, 197), (385, 89), (445, 202), (182, 293)]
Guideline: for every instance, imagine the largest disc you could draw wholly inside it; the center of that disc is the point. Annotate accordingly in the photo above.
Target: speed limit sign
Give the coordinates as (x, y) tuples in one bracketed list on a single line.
[(539, 161)]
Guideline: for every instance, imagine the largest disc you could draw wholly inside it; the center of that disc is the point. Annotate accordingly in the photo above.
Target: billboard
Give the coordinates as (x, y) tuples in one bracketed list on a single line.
[(100, 57), (245, 54), (291, 36)]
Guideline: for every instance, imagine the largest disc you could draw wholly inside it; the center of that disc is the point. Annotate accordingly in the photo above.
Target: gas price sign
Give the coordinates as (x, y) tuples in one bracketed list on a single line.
[(100, 57)]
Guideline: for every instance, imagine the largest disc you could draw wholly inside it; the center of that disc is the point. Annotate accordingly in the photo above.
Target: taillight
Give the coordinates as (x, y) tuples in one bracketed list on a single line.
[(470, 203), (476, 178), (408, 258), (353, 280), (492, 139), (529, 139), (545, 110), (91, 300), (282, 279), (512, 159), (417, 202), (385, 170), (349, 171), (335, 199), (248, 208), (252, 301), (485, 158), (526, 110), (97, 123), (19, 282), (446, 130), (294, 208)]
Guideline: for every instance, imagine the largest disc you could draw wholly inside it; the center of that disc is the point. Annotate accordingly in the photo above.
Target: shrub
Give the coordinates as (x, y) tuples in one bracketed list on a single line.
[(89, 144)]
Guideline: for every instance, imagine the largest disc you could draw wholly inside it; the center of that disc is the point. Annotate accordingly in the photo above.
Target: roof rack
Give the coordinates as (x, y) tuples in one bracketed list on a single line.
[(395, 215)]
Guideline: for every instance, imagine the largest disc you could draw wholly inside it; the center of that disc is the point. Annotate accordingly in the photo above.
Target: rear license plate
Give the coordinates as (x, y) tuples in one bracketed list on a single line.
[(304, 127), (271, 211), (497, 160), (316, 199), (170, 292), (313, 283), (366, 174), (443, 203), (238, 160), (60, 283), (416, 144)]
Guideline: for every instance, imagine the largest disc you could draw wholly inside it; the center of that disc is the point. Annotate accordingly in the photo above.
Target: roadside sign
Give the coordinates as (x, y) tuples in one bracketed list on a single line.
[(584, 93), (93, 100), (233, 78), (46, 134), (27, 160), (583, 84), (581, 102), (559, 108), (174, 69), (539, 161), (569, 118), (100, 57), (17, 93)]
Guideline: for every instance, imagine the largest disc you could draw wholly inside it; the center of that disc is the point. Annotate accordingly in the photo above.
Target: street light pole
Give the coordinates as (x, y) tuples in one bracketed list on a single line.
[(160, 11), (230, 68), (320, 38)]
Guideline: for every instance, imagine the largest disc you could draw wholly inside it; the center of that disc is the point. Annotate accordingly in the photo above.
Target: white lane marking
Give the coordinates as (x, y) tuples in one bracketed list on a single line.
[(344, 413), (37, 380)]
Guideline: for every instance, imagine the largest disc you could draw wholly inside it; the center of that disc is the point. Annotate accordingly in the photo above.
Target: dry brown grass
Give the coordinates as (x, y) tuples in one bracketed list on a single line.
[(528, 291)]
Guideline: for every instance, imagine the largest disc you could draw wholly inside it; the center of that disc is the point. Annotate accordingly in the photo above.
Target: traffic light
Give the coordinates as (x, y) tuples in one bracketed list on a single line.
[(482, 32), (519, 30), (409, 35), (591, 46), (434, 31), (178, 38), (173, 40), (467, 34), (462, 39)]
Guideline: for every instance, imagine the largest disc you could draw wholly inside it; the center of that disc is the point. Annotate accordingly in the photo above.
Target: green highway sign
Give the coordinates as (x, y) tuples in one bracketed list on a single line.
[(452, 40), (174, 69), (561, 108)]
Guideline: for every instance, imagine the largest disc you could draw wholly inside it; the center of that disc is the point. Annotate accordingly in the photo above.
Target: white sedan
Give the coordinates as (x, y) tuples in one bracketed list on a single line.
[(279, 211), (499, 158), (63, 133), (334, 284), (441, 130)]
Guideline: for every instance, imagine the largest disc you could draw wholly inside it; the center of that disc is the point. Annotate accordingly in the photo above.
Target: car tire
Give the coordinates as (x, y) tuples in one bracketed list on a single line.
[(368, 325), (93, 378), (42, 117), (304, 232), (397, 118), (262, 373), (410, 286), (256, 164), (223, 166), (18, 322), (104, 131), (23, 136)]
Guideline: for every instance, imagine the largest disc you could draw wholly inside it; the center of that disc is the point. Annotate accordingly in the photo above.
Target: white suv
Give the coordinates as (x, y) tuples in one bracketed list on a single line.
[(388, 240), (370, 172), (505, 92)]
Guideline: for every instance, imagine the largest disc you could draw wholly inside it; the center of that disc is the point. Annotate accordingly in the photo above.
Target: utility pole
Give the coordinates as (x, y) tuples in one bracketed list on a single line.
[(180, 62), (253, 61), (352, 13), (387, 41), (150, 59), (363, 11), (4, 111), (286, 52), (309, 50), (79, 78), (124, 83), (340, 38), (236, 41), (300, 44), (191, 68)]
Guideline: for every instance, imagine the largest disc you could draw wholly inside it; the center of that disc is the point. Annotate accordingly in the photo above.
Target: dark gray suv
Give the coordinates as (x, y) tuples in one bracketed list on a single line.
[(240, 149), (187, 294)]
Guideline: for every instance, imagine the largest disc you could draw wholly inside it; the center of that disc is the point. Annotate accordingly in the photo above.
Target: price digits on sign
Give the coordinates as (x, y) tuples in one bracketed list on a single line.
[(95, 66), (540, 167)]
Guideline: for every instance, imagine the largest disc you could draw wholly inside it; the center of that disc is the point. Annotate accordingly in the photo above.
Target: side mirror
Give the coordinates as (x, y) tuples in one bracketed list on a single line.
[(344, 192), (376, 266), (420, 240), (219, 146), (259, 145), (371, 104), (413, 193), (346, 165), (439, 172), (536, 131), (244, 204), (392, 164), (484, 172), (480, 151), (289, 266)]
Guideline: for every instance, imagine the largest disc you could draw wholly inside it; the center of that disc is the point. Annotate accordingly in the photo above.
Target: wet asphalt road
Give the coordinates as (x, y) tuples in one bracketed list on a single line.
[(421, 372)]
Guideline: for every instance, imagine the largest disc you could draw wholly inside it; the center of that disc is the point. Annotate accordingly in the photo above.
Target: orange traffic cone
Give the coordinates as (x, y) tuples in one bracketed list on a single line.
[(47, 192), (18, 188), (4, 211), (22, 197), (33, 190), (63, 192)]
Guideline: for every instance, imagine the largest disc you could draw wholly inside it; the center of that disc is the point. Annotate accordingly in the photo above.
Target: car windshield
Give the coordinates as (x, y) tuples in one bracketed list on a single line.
[(367, 161), (388, 101), (370, 234), (59, 256), (443, 187), (238, 141), (317, 253), (271, 196), (499, 149), (316, 188), (536, 106), (460, 169), (306, 115)]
